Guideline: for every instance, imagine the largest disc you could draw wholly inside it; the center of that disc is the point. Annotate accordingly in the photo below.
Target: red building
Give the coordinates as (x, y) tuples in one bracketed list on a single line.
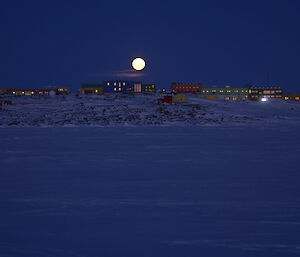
[(167, 99), (186, 87)]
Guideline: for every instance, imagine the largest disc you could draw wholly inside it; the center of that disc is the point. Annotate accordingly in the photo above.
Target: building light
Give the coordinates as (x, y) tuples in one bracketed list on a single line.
[(108, 83), (264, 99), (120, 89), (14, 92), (124, 83), (115, 89), (115, 83)]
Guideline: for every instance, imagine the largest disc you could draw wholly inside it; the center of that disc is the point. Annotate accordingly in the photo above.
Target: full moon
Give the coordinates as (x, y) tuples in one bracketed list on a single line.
[(138, 64)]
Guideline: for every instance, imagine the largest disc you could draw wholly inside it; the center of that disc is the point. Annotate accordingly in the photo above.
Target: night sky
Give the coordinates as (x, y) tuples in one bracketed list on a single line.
[(215, 42)]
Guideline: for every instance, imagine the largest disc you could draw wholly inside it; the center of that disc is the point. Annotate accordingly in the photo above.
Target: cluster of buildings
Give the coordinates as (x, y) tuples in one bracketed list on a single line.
[(117, 86), (250, 92), (50, 90)]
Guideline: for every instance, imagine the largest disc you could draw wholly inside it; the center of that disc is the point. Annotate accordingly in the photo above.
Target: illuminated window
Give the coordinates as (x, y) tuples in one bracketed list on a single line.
[(124, 83), (297, 98), (115, 89), (115, 83), (108, 83), (120, 89)]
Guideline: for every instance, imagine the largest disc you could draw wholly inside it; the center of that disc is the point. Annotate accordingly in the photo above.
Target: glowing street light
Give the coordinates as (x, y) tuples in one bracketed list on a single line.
[(264, 99)]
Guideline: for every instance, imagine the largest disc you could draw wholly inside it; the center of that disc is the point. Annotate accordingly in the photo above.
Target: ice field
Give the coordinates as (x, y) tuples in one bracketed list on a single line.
[(150, 191)]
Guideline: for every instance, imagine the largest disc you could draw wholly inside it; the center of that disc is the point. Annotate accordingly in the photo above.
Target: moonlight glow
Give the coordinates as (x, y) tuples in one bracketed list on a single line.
[(138, 64)]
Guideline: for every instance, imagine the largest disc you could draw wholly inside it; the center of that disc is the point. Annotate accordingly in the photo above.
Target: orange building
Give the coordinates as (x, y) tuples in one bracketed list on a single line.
[(292, 97)]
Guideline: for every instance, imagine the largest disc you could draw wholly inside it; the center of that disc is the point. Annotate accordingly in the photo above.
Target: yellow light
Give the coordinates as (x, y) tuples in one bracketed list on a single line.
[(138, 64)]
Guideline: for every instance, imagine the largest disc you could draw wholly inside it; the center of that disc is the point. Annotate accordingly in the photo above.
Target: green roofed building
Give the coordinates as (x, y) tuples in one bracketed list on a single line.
[(148, 88), (96, 89)]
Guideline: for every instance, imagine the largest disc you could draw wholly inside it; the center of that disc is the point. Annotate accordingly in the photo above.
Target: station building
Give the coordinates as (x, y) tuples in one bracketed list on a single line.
[(183, 87), (86, 89), (149, 88), (117, 86), (51, 90), (227, 93), (227, 90), (257, 92), (291, 97)]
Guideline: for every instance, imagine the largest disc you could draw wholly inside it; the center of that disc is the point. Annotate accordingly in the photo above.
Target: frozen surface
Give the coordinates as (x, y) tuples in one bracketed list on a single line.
[(150, 191)]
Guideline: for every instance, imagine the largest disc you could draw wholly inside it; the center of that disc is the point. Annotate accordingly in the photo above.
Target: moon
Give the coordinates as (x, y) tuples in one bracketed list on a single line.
[(138, 64)]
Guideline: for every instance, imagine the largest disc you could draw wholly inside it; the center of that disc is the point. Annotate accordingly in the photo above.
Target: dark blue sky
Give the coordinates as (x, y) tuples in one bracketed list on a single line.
[(214, 42)]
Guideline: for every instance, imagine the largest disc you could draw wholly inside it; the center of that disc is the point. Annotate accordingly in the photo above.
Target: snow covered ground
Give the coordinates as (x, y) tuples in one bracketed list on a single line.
[(141, 111), (150, 191), (228, 186)]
